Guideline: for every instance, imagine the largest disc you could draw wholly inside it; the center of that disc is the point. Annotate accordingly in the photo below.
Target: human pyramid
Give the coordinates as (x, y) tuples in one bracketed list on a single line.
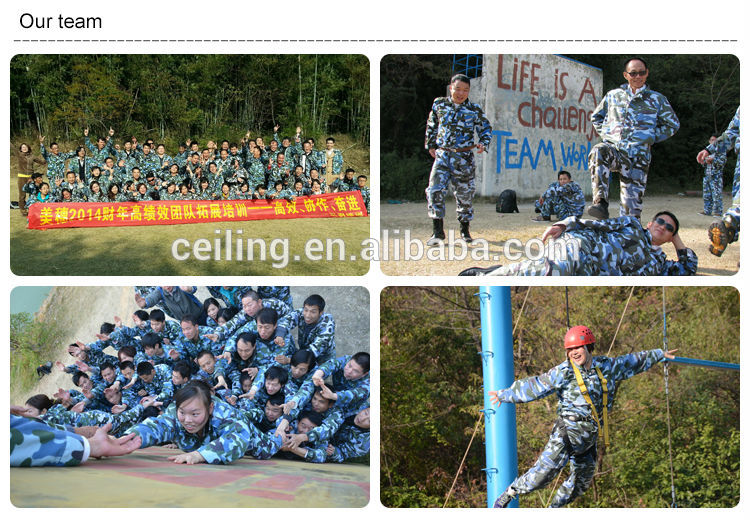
[(131, 172), (219, 379)]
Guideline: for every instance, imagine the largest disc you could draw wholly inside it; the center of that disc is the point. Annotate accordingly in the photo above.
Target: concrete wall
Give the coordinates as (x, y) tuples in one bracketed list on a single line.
[(540, 107)]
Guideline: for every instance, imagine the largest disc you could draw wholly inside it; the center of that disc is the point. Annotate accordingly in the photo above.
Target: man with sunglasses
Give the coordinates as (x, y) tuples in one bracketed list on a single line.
[(630, 119), (612, 247)]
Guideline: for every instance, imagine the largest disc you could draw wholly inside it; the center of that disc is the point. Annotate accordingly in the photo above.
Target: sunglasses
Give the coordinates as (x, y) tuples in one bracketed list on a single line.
[(637, 73), (669, 227)]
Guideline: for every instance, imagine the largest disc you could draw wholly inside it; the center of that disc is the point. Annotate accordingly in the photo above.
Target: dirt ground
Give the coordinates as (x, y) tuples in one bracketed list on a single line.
[(496, 228)]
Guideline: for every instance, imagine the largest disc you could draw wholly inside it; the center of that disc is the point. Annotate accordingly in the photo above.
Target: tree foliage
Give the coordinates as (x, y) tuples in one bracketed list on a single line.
[(432, 393), (179, 96), (703, 89)]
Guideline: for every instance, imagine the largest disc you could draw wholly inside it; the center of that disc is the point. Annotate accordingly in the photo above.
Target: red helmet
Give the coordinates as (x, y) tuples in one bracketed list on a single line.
[(578, 337)]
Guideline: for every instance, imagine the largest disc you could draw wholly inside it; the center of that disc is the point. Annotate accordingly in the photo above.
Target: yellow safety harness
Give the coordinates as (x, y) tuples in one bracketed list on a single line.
[(585, 393)]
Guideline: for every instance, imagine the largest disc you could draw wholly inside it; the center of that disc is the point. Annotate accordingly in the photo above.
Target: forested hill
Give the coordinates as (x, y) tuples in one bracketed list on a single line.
[(174, 97), (431, 381)]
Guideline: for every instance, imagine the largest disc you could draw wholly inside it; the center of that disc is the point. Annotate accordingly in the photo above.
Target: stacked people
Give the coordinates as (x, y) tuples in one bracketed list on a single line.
[(221, 379)]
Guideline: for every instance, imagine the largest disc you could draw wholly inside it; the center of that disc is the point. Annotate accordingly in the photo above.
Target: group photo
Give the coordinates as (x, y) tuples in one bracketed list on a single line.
[(215, 396), (267, 147), (583, 165)]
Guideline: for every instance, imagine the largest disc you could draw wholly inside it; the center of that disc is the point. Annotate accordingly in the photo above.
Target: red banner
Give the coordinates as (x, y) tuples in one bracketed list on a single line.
[(165, 212)]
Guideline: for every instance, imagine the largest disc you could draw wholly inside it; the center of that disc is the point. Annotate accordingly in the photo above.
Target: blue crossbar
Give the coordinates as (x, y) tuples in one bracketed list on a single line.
[(704, 363)]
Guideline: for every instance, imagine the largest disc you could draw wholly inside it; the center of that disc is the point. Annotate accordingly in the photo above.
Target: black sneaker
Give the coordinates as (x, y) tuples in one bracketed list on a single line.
[(479, 271), (599, 211), (503, 500)]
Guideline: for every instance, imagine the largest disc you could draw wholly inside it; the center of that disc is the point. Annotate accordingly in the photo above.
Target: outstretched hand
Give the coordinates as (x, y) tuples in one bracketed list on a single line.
[(104, 445), (494, 399), (192, 457), (670, 354)]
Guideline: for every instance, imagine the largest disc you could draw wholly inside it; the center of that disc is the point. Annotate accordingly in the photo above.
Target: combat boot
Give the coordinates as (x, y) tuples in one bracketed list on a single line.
[(721, 234), (438, 235), (600, 210), (465, 232)]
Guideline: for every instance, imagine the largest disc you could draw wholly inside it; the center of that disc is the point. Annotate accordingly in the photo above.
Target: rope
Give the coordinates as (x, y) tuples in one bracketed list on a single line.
[(567, 307), (622, 317), (666, 391), (460, 466), (520, 313)]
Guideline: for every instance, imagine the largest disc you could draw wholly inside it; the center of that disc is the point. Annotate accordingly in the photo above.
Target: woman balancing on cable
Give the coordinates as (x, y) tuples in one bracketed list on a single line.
[(585, 387)]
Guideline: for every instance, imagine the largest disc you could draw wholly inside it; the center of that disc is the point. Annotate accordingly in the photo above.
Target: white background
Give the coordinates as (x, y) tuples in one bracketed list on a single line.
[(376, 29)]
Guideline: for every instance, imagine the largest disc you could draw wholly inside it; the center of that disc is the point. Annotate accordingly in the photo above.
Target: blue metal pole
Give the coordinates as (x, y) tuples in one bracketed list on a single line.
[(704, 363), (498, 374)]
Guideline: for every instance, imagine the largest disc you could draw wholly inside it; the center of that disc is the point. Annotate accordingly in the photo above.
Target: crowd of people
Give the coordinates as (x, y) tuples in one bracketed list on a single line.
[(220, 379), (106, 171)]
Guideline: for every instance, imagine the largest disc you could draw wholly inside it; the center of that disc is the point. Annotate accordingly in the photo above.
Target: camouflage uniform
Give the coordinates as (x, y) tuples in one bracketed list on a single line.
[(100, 156), (629, 124), (120, 422), (149, 164), (317, 337), (55, 163), (452, 126), (713, 182), (612, 247), (351, 395), (277, 173), (227, 434), (332, 164), (244, 323), (562, 200), (731, 137), (340, 184), (35, 443), (279, 292), (575, 432), (350, 441)]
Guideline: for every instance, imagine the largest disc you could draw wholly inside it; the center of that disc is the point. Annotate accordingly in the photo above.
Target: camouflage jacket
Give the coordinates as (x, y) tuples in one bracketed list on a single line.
[(452, 126), (225, 438), (57, 414), (562, 381), (621, 246), (55, 163), (35, 443), (571, 193), (278, 292), (100, 155), (350, 441), (317, 337), (633, 123), (351, 395)]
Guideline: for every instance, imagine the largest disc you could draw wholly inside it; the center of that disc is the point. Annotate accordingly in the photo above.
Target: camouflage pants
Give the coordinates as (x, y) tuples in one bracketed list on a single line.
[(263, 445), (577, 262), (570, 441), (733, 213), (554, 206), (458, 169), (713, 182), (34, 443), (605, 158)]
